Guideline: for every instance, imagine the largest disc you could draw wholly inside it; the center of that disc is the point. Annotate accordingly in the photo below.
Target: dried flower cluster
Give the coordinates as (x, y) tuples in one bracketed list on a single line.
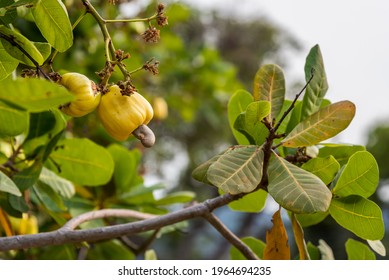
[(151, 35)]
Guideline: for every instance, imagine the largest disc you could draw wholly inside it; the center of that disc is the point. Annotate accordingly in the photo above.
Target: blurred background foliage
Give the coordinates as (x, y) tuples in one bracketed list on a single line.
[(205, 56)]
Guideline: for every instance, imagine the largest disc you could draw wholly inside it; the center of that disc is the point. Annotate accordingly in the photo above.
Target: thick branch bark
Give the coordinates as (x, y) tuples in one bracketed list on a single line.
[(67, 234)]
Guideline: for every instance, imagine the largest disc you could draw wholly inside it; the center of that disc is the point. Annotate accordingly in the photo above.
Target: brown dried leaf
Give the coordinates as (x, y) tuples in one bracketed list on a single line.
[(277, 246)]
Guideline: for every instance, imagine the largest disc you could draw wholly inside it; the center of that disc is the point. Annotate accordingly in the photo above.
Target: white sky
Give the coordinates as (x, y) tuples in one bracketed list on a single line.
[(354, 40)]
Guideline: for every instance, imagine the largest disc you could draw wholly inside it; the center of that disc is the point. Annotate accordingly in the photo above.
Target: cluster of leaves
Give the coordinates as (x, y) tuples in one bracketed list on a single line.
[(305, 176)]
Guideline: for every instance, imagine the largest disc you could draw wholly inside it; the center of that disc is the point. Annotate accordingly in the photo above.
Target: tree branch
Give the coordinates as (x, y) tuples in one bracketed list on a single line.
[(230, 236), (67, 234)]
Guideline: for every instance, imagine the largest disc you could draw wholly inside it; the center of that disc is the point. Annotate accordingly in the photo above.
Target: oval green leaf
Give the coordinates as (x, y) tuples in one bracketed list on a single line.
[(237, 105), (239, 170), (12, 120), (83, 162), (255, 113), (356, 250), (359, 215), (58, 184), (359, 177), (8, 186), (322, 125), (53, 22), (125, 173), (269, 85), (256, 245), (341, 152), (295, 189), (318, 86), (324, 168), (251, 203), (34, 95), (24, 43), (7, 63)]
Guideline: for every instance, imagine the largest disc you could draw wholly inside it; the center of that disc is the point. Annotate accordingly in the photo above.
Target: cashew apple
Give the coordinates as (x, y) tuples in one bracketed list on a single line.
[(85, 91), (121, 115)]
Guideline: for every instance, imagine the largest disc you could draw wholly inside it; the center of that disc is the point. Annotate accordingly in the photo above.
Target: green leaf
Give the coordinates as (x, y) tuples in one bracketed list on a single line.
[(256, 245), (34, 144), (322, 125), (40, 124), (28, 176), (24, 43), (7, 63), (324, 168), (341, 152), (359, 215), (110, 250), (44, 49), (251, 203), (18, 203), (9, 5), (200, 172), (8, 186), (125, 174), (83, 162), (307, 220), (295, 189), (239, 170), (176, 197), (53, 22), (255, 113), (240, 126), (59, 185), (49, 198), (359, 177), (358, 251), (269, 85), (34, 95), (237, 105), (12, 120), (318, 87), (7, 14), (314, 252)]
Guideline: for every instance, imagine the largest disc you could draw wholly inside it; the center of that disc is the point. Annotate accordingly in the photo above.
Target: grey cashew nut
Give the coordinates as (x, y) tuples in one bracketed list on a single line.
[(145, 135)]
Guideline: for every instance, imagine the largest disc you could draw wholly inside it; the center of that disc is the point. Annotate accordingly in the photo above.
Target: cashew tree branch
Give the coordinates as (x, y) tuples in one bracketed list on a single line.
[(69, 234)]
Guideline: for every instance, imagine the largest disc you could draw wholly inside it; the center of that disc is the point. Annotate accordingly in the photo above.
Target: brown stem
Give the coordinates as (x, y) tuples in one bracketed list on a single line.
[(230, 236), (67, 234)]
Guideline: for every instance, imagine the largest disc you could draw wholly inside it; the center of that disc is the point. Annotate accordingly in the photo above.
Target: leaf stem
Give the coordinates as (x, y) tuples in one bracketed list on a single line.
[(132, 20), (109, 47)]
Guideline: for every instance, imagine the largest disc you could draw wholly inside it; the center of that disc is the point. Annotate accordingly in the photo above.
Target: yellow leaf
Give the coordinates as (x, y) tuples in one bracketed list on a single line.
[(277, 246), (299, 238)]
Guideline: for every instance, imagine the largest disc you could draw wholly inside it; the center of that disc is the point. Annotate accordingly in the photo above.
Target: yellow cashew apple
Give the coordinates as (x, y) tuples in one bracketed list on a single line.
[(121, 115), (28, 224), (85, 91)]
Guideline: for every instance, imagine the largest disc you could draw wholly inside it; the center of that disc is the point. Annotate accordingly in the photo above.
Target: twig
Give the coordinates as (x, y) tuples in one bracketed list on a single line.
[(230, 236), (15, 44), (105, 213), (66, 234)]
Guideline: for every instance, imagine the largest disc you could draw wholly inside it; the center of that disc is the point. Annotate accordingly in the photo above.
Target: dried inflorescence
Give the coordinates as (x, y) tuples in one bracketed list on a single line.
[(151, 35), (161, 17), (152, 66)]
